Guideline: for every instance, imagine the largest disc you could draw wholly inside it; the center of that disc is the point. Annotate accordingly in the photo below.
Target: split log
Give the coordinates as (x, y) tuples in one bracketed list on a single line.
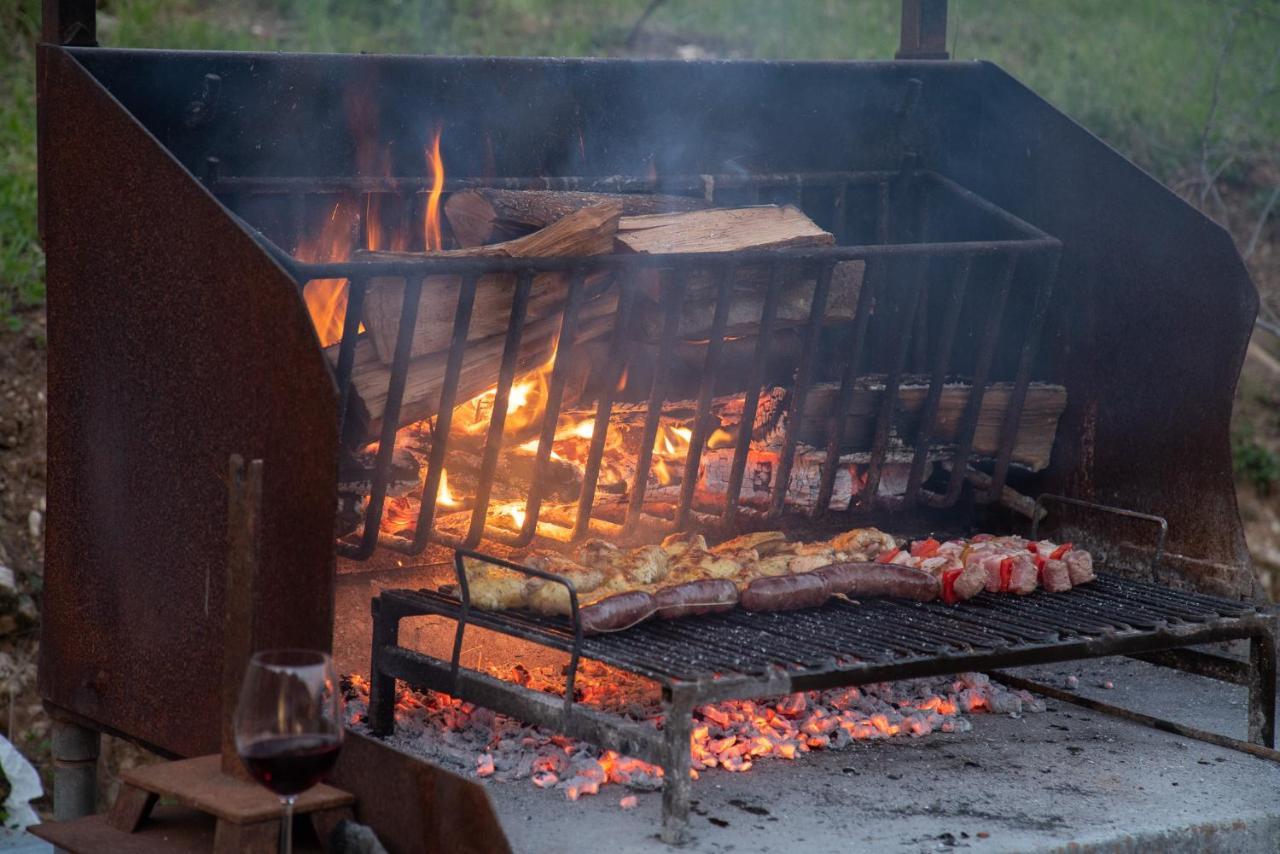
[(721, 230), (370, 378), (737, 230), (1037, 426), (489, 215), (586, 232)]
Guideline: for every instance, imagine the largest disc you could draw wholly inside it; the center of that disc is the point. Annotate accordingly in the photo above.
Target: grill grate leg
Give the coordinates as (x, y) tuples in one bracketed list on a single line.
[(382, 687), (676, 763), (1262, 689)]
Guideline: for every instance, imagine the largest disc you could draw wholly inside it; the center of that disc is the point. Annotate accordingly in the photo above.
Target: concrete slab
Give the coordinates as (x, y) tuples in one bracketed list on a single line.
[(1067, 779)]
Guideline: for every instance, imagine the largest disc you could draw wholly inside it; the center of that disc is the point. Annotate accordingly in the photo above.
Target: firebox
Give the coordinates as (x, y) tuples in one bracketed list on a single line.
[(993, 322)]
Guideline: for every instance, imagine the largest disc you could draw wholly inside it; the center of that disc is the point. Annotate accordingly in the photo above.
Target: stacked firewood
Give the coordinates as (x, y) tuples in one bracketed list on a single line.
[(542, 224)]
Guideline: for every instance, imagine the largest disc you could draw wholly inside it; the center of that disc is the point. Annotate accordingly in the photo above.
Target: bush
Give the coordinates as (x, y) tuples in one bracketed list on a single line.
[(1253, 462)]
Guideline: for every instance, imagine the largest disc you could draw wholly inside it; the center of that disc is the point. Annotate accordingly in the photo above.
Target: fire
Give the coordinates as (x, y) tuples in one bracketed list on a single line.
[(435, 168), (444, 498), (670, 447), (326, 299)]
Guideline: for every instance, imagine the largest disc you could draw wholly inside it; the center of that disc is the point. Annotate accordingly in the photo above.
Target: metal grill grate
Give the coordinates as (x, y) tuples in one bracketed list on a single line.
[(739, 645), (751, 655)]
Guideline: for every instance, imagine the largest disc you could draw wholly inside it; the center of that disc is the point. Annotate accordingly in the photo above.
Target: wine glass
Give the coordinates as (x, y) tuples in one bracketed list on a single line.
[(288, 724)]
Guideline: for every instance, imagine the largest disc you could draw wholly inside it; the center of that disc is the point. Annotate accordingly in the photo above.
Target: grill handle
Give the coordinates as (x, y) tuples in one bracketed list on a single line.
[(1159, 521), (464, 592)]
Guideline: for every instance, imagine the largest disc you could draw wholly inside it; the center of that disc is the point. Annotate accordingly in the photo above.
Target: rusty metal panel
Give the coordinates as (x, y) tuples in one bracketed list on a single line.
[(1148, 329), (173, 342), (415, 806)]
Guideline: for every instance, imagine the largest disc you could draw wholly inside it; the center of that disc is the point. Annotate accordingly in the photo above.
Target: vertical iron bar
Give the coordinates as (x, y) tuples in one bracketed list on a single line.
[(804, 376), (382, 688), (1018, 398), (604, 407), (676, 764), (391, 415), (715, 346), (872, 271), (672, 301), (884, 216), (551, 415), (942, 360), (889, 403), (498, 416), (347, 348), (751, 400), (973, 406), (298, 214), (840, 213), (444, 413), (1262, 690)]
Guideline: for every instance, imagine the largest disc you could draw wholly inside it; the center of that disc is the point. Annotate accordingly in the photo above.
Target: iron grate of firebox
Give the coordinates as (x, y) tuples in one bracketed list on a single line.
[(908, 263)]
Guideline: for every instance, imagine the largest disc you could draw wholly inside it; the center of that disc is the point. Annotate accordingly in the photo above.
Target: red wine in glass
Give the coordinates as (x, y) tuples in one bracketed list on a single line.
[(289, 765), (288, 725)]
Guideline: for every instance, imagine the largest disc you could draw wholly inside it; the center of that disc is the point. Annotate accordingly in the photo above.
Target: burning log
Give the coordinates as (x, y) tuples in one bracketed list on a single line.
[(489, 215), (424, 381), (585, 232), (1036, 428), (738, 230)]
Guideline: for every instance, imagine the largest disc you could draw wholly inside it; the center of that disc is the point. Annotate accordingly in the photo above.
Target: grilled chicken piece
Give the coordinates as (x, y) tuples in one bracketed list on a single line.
[(764, 542), (548, 597), (807, 563), (769, 566), (863, 543), (695, 564), (494, 588), (625, 569), (676, 545)]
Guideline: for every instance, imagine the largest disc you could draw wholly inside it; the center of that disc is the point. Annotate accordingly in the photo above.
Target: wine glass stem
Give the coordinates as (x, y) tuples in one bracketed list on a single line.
[(286, 825)]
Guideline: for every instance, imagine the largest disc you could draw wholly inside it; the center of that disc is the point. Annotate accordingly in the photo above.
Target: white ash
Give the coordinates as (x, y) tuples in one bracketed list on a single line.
[(730, 735)]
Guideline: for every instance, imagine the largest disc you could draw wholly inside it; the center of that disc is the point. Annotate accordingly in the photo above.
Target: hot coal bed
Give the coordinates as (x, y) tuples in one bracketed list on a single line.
[(1010, 329)]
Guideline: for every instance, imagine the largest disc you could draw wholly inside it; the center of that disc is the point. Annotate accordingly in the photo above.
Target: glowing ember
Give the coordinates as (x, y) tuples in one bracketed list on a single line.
[(729, 736)]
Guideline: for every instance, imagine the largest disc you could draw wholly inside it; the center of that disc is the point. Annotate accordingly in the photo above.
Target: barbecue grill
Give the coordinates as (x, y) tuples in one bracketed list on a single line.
[(1002, 244)]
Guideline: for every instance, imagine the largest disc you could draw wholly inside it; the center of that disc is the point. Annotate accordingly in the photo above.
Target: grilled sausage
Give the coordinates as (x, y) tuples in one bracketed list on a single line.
[(710, 596), (785, 592), (616, 612), (861, 580)]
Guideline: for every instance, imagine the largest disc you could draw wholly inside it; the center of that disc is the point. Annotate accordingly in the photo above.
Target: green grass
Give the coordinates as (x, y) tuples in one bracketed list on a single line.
[(1140, 73)]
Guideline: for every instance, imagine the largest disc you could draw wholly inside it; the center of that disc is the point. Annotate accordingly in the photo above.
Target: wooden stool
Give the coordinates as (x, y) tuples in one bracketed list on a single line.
[(248, 815)]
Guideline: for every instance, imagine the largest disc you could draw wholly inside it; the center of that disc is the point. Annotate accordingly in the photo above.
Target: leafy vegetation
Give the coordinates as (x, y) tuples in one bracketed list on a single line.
[(1254, 463), (1188, 89)]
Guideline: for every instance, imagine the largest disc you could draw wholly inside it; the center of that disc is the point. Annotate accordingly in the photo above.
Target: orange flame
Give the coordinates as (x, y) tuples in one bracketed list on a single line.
[(326, 299), (432, 238), (444, 498)]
